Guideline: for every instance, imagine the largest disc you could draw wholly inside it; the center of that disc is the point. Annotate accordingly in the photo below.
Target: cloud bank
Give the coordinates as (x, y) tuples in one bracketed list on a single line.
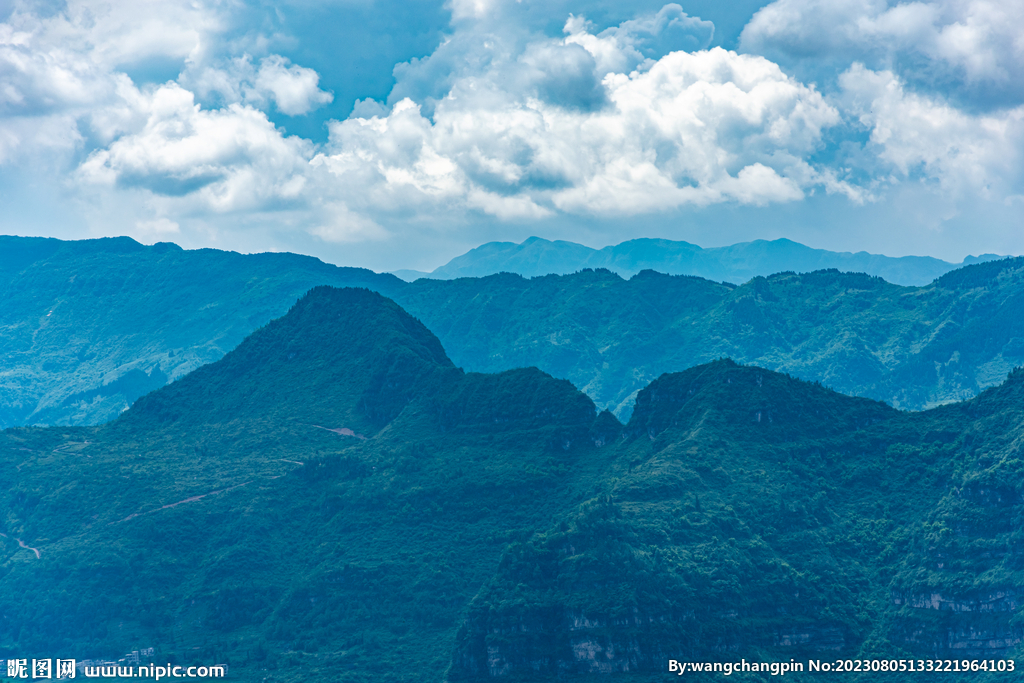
[(504, 127)]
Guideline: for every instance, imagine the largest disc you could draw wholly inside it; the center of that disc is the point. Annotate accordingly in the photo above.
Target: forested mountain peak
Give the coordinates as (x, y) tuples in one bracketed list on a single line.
[(347, 353), (335, 498), (91, 326), (749, 397)]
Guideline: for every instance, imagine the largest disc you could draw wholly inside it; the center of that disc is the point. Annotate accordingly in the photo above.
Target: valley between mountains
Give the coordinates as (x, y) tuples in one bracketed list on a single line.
[(504, 526)]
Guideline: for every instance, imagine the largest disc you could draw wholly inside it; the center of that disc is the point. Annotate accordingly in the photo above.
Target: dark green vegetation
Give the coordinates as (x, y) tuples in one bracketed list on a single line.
[(88, 327), (910, 347), (334, 500), (322, 501), (753, 515), (736, 263)]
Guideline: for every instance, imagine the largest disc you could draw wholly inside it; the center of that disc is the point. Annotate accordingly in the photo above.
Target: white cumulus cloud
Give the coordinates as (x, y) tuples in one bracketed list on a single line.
[(154, 158), (504, 125), (966, 154), (550, 130), (294, 88), (640, 41), (227, 159), (973, 45)]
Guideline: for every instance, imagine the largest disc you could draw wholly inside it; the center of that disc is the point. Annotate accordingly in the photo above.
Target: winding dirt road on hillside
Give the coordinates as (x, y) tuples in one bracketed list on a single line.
[(190, 499), (344, 431), (26, 547)]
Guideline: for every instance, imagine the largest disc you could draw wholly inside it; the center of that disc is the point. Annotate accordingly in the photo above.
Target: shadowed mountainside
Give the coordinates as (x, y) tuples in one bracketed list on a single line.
[(334, 499), (327, 486), (88, 327), (910, 347), (752, 515)]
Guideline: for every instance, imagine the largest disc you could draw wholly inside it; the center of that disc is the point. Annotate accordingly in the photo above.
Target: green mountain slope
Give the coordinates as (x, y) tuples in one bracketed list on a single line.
[(736, 263), (751, 515), (335, 500), (87, 327), (319, 503), (90, 326), (911, 347)]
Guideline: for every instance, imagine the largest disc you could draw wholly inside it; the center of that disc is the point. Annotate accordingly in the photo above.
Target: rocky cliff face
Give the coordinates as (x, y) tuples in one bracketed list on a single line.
[(957, 627), (572, 642), (568, 642), (594, 597), (829, 527), (947, 625)]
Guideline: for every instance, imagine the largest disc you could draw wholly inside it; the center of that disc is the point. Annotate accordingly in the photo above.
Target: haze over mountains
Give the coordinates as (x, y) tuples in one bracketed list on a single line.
[(88, 327), (334, 500), (736, 264)]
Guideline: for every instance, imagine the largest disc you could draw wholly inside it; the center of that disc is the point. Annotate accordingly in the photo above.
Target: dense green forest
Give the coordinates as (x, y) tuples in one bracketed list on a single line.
[(335, 499), (90, 326)]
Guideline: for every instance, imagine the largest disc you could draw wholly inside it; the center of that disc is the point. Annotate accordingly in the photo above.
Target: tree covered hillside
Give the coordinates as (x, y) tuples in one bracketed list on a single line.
[(320, 504), (912, 347), (88, 327), (753, 515), (335, 500)]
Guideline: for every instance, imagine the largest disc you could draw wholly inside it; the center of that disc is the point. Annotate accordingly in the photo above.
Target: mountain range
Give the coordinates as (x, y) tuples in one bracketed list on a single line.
[(736, 264), (88, 327), (335, 500)]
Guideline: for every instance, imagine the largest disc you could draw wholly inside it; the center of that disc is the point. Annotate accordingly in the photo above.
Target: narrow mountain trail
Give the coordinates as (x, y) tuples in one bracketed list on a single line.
[(343, 431), (193, 499), (25, 546), (190, 499)]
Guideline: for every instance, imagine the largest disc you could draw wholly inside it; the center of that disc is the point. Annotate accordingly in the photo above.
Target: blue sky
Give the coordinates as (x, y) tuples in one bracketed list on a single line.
[(400, 134)]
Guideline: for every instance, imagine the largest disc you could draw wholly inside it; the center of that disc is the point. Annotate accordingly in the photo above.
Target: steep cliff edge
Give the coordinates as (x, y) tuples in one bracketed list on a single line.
[(959, 587)]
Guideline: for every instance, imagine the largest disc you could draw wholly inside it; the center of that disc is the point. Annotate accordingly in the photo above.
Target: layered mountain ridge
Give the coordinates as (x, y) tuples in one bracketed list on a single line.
[(355, 502), (90, 326), (736, 263), (761, 517), (911, 347)]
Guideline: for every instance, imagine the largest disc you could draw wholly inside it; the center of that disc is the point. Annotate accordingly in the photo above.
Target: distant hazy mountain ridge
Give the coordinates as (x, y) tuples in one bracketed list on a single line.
[(737, 263), (88, 327), (912, 347)]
